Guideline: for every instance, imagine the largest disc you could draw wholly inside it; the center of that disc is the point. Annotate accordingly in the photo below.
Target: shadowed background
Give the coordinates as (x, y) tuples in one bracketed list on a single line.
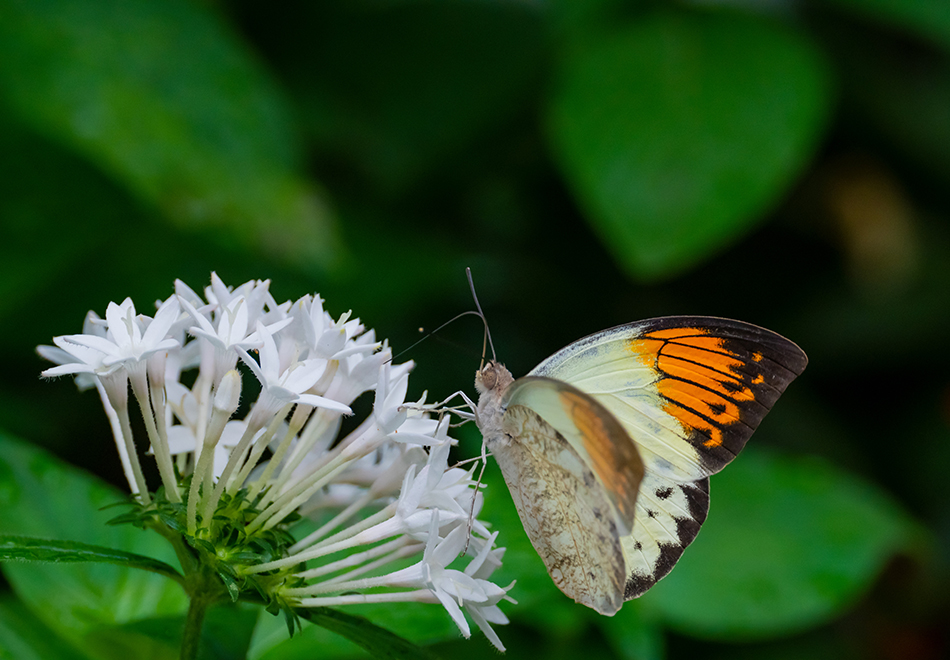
[(595, 163)]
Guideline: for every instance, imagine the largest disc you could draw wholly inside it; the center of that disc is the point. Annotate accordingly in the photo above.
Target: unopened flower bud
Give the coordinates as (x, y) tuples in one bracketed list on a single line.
[(228, 394)]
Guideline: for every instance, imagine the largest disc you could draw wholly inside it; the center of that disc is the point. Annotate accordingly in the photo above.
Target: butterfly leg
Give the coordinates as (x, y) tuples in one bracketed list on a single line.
[(465, 410)]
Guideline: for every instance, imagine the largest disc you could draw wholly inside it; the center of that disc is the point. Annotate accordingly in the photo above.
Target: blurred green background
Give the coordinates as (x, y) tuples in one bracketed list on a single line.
[(782, 162)]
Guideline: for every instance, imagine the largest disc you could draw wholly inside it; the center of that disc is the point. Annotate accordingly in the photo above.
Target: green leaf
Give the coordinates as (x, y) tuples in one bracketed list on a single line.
[(399, 87), (789, 543), (24, 637), (681, 131), (420, 623), (380, 643), (24, 548), (634, 632), (929, 18), (43, 497), (165, 98), (225, 635)]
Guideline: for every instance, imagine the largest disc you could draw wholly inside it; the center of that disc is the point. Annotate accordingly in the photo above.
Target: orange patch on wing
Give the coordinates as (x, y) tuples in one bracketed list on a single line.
[(699, 378), (614, 457)]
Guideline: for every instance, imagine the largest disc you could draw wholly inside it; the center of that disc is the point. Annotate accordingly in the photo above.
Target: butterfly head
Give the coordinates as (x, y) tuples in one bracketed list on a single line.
[(493, 377)]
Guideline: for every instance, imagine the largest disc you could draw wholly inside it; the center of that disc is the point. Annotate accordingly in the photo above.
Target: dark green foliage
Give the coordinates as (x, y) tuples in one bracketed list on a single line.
[(785, 163), (377, 642)]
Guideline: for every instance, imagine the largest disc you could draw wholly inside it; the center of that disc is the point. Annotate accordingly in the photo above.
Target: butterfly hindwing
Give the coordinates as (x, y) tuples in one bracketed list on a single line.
[(669, 515)]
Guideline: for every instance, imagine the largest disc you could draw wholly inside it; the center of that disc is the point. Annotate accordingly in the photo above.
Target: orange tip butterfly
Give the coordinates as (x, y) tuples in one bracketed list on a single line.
[(607, 445)]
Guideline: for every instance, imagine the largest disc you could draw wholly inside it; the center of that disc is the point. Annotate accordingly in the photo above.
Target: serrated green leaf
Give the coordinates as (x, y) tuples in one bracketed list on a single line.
[(24, 548), (680, 131), (380, 643), (788, 544), (43, 497), (166, 99)]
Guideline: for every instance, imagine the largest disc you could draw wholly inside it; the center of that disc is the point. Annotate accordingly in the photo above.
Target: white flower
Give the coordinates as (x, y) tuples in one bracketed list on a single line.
[(254, 292), (451, 587), (126, 344), (382, 494), (487, 612), (289, 385), (322, 337)]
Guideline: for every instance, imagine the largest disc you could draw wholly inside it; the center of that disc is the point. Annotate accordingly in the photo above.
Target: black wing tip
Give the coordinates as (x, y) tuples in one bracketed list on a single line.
[(783, 350)]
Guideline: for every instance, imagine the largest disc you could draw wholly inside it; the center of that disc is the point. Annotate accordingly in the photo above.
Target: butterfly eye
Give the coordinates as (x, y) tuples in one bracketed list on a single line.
[(489, 377)]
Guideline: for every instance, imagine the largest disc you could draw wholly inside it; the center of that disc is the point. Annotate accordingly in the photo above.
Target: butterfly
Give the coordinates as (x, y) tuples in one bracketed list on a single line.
[(607, 446)]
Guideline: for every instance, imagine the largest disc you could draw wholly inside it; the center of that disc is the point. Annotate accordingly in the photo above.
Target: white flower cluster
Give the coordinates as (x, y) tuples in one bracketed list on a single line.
[(384, 491)]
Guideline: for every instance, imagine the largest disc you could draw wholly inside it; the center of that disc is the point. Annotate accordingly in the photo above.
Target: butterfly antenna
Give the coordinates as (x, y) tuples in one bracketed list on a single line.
[(486, 342), (471, 514), (429, 334)]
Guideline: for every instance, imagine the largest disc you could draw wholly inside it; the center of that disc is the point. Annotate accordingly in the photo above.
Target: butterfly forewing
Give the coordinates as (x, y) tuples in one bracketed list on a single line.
[(567, 517), (717, 378), (689, 390), (595, 434)]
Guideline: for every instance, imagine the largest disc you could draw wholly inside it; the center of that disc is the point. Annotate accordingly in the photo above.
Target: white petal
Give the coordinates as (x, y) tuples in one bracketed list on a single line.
[(67, 370), (454, 611), (304, 375), (270, 359), (121, 319), (477, 614), (324, 402), (164, 319), (100, 345), (200, 319)]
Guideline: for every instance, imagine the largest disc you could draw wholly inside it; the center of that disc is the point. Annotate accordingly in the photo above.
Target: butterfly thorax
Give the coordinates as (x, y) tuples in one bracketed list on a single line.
[(492, 382)]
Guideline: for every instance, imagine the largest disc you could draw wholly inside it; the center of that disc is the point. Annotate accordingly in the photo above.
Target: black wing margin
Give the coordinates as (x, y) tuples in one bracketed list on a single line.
[(718, 377)]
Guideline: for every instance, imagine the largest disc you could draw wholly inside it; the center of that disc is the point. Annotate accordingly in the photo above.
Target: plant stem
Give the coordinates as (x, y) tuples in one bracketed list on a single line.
[(191, 636), (203, 589)]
